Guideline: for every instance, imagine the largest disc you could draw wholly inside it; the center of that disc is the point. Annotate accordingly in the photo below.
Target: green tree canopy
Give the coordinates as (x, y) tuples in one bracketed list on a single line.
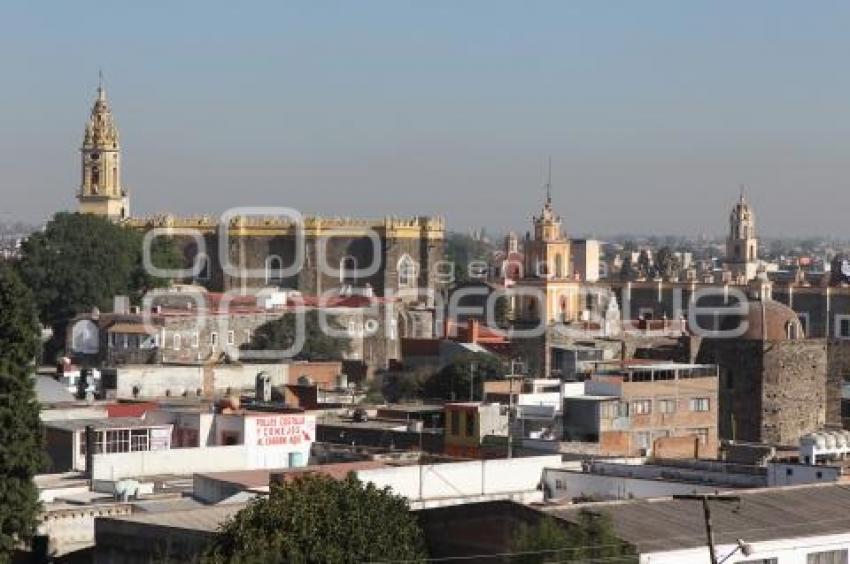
[(82, 261), (667, 264), (591, 537), (322, 520), (453, 381), (21, 449), (281, 334)]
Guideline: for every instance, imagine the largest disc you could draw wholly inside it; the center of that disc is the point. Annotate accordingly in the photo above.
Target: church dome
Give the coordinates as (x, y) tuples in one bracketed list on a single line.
[(766, 320)]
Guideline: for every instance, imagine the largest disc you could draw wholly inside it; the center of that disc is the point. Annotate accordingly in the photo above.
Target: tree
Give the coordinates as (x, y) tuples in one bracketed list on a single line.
[(461, 250), (453, 381), (502, 311), (644, 264), (319, 344), (667, 264), (81, 261), (591, 537), (319, 519), (627, 271), (21, 449)]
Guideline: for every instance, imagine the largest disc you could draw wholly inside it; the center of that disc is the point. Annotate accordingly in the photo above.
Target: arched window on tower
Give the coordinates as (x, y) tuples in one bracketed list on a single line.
[(559, 266), (406, 272), (347, 269), (95, 177), (202, 267), (274, 270), (115, 179), (793, 330)]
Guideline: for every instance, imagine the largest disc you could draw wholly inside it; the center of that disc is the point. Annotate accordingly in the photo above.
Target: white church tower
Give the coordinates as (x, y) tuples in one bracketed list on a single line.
[(742, 244)]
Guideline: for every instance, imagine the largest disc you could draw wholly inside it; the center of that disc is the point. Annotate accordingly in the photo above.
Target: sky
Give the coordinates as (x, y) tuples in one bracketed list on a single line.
[(653, 112)]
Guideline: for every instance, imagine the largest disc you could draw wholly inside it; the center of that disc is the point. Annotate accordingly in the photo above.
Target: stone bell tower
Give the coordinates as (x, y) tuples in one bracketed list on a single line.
[(101, 191), (742, 244)]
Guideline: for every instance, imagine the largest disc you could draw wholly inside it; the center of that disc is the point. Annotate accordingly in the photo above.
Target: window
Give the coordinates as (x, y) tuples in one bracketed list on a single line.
[(213, 339), (139, 440), (231, 338), (827, 557), (759, 561), (642, 440), (195, 340), (470, 424), (98, 442), (455, 422), (642, 407), (406, 272), (803, 316), (667, 406), (347, 268), (274, 270), (842, 326), (118, 441), (176, 341), (202, 267), (700, 404), (792, 330)]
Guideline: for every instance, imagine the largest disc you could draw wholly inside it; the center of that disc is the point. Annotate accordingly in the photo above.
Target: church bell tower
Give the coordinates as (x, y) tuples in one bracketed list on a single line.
[(742, 244), (101, 191)]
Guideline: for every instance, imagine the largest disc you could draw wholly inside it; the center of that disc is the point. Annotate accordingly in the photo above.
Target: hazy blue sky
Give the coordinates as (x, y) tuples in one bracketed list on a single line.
[(653, 112)]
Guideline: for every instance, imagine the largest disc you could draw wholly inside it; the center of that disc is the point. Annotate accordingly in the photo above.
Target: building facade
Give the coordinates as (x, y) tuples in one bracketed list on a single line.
[(250, 250)]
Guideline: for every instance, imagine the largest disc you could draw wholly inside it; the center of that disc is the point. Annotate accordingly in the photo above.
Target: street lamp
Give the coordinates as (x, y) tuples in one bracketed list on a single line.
[(746, 550)]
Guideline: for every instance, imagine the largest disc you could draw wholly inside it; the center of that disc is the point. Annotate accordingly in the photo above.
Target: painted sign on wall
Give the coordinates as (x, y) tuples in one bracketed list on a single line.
[(295, 429)]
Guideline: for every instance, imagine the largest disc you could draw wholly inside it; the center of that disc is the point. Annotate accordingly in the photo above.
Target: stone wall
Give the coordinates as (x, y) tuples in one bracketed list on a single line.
[(772, 391), (377, 251)]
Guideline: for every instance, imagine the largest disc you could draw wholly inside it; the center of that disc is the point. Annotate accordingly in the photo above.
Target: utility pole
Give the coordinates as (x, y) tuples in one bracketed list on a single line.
[(705, 498)]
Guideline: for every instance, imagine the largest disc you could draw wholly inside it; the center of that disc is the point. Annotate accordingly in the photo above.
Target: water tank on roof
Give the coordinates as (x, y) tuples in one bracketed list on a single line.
[(840, 440), (829, 440)]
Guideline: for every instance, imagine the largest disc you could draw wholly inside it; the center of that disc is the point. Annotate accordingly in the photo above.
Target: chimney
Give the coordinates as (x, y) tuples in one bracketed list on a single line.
[(472, 331)]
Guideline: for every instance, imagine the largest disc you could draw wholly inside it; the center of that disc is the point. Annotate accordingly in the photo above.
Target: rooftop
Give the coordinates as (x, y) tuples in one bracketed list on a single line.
[(659, 525), (206, 519), (98, 424)]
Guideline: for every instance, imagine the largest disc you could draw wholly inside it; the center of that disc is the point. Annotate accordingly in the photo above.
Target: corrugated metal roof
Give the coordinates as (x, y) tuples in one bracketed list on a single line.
[(98, 424), (203, 519), (662, 525)]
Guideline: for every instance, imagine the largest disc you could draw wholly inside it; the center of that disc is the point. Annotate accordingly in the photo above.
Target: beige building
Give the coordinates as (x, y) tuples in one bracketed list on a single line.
[(742, 244), (646, 408), (101, 191)]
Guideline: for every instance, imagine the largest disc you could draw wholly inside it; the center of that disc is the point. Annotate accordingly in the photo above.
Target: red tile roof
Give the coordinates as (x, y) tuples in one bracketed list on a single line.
[(129, 409)]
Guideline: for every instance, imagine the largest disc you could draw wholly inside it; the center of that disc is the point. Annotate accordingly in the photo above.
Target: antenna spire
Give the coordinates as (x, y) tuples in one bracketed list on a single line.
[(549, 182), (743, 189), (101, 94)]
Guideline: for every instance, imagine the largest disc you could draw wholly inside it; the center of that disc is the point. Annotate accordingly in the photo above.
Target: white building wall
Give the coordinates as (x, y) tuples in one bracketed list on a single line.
[(786, 551), (458, 481), (566, 484), (188, 460), (779, 474)]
